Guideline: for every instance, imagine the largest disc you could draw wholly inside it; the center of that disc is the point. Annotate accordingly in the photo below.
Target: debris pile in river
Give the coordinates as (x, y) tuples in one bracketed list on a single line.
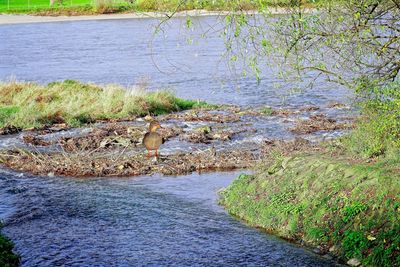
[(35, 140), (85, 164), (110, 136), (9, 130), (204, 115), (318, 122), (222, 139), (287, 147), (206, 134)]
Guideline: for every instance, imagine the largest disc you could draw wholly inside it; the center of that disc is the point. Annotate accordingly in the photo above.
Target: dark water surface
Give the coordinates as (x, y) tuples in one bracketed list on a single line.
[(145, 221)]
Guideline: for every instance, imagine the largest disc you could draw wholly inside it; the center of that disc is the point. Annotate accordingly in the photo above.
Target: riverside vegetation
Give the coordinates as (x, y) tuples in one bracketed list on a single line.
[(86, 7), (30, 105), (343, 198)]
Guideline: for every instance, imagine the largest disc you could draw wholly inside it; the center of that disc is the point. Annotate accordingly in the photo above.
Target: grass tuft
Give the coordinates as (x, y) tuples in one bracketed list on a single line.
[(268, 111)]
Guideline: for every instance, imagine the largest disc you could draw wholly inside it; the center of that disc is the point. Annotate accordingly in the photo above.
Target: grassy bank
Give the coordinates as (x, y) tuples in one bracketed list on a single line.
[(7, 257), (81, 7), (27, 105), (350, 209), (343, 199)]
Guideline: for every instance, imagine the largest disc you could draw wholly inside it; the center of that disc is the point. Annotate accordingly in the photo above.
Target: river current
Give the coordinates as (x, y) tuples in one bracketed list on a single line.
[(140, 221)]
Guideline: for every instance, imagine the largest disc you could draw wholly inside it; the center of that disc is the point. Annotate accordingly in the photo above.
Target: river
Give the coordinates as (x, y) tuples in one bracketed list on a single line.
[(141, 221)]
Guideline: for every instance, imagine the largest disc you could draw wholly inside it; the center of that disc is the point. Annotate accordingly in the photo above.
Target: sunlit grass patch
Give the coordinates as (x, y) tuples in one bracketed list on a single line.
[(26, 105)]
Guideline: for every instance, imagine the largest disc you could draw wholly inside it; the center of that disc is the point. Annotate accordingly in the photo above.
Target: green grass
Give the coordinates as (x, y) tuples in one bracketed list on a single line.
[(7, 112), (27, 105), (74, 7), (69, 8), (379, 129), (326, 202), (7, 257), (268, 111), (25, 5)]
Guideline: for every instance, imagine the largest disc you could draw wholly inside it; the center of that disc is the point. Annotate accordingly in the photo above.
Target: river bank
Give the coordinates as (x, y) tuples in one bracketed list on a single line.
[(6, 19), (339, 204), (152, 8), (24, 18), (342, 198)]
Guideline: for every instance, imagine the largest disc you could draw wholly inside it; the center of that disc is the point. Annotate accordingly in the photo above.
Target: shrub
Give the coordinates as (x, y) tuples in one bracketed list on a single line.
[(379, 128)]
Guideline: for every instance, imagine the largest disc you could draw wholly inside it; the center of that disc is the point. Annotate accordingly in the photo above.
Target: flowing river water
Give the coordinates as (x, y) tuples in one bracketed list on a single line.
[(139, 221)]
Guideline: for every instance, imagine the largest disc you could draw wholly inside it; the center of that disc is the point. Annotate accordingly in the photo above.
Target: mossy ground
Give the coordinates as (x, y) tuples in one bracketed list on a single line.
[(350, 207), (27, 105)]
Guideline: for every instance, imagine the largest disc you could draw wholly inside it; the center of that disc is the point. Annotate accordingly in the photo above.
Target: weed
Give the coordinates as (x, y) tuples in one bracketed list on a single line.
[(104, 6), (352, 210), (354, 242), (268, 111)]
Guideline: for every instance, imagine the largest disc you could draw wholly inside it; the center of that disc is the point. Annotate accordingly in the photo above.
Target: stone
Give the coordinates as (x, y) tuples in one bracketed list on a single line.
[(317, 250), (353, 262)]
